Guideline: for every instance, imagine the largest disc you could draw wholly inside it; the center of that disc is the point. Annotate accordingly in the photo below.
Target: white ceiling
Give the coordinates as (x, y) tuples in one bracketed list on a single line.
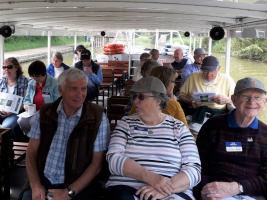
[(69, 17)]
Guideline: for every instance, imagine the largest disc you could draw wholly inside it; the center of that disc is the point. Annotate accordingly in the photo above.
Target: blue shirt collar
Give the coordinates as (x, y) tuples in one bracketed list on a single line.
[(61, 110), (231, 121)]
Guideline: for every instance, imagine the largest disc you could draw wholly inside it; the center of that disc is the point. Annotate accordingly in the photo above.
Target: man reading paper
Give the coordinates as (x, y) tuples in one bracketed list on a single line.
[(209, 80)]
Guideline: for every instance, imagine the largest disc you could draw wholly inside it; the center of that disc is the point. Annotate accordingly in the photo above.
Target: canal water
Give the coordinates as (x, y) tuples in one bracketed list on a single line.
[(240, 68)]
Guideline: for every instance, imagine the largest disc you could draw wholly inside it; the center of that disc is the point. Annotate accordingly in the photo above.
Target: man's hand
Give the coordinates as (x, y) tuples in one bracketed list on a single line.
[(161, 184), (59, 194), (195, 104), (88, 69), (4, 114), (220, 99), (38, 192), (219, 190), (148, 192)]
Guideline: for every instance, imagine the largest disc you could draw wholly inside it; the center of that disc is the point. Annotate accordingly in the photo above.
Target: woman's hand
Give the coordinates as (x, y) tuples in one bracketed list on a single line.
[(149, 193), (162, 184)]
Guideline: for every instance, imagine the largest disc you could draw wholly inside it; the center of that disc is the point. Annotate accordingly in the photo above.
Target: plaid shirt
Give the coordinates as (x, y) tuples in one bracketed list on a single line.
[(20, 87), (54, 167)]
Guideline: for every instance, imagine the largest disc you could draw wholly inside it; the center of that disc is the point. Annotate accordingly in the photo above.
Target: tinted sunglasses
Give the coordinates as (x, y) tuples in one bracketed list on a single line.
[(141, 96), (7, 67)]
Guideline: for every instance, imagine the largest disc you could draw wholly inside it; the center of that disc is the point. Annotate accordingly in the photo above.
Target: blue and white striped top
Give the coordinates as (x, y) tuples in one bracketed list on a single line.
[(166, 149)]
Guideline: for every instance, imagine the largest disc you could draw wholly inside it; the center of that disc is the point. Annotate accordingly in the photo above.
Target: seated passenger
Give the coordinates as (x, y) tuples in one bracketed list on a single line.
[(155, 55), (12, 82), (209, 80), (42, 88), (94, 74), (77, 55), (67, 143), (179, 61), (143, 58), (199, 55), (151, 155), (57, 66), (233, 148), (148, 66), (173, 107)]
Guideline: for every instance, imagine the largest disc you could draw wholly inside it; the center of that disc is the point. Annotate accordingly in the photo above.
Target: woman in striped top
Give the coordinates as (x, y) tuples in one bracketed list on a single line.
[(151, 155)]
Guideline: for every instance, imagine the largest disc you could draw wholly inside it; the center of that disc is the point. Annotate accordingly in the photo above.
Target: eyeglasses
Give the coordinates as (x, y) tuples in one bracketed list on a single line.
[(141, 96), (7, 67), (249, 98)]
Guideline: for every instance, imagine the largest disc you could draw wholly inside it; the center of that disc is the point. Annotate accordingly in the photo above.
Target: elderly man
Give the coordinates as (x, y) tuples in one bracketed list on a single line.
[(233, 148), (57, 66), (216, 87), (199, 55), (179, 60), (67, 143)]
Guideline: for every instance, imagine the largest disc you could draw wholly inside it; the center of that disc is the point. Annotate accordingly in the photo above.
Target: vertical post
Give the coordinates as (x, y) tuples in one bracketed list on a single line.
[(194, 43), (74, 47), (133, 39), (92, 40), (75, 41), (200, 42), (2, 42), (180, 37), (210, 46), (228, 53), (190, 43), (171, 38), (48, 47), (157, 39)]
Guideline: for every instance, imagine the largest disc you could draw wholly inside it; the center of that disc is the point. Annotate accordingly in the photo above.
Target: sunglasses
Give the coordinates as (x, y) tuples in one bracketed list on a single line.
[(7, 67), (141, 96)]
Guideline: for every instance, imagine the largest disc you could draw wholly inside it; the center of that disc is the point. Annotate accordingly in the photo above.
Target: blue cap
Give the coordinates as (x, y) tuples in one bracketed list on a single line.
[(210, 63)]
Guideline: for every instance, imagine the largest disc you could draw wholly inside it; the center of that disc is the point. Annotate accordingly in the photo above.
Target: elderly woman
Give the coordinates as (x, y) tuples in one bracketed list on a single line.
[(42, 89), (13, 82), (173, 107), (57, 66), (151, 155)]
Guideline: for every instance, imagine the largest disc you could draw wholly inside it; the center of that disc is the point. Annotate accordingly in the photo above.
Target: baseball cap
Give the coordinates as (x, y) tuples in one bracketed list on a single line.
[(249, 83), (210, 63), (199, 51), (85, 54), (149, 84)]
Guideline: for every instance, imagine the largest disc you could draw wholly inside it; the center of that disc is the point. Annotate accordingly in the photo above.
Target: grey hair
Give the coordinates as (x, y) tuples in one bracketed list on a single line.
[(163, 98), (71, 74), (58, 55)]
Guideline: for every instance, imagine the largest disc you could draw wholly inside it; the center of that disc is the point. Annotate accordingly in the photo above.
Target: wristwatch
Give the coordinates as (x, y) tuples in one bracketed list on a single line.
[(71, 193), (241, 189)]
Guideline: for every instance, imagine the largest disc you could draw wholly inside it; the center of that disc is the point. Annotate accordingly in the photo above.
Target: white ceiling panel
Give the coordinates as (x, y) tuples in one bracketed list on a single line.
[(83, 16)]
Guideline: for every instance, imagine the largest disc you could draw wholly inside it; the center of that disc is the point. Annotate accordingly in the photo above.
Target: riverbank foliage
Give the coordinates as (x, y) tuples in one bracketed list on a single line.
[(16, 43), (245, 48)]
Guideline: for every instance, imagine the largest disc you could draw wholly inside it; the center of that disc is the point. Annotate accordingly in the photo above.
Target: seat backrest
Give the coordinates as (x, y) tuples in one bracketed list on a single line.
[(108, 75), (116, 108)]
